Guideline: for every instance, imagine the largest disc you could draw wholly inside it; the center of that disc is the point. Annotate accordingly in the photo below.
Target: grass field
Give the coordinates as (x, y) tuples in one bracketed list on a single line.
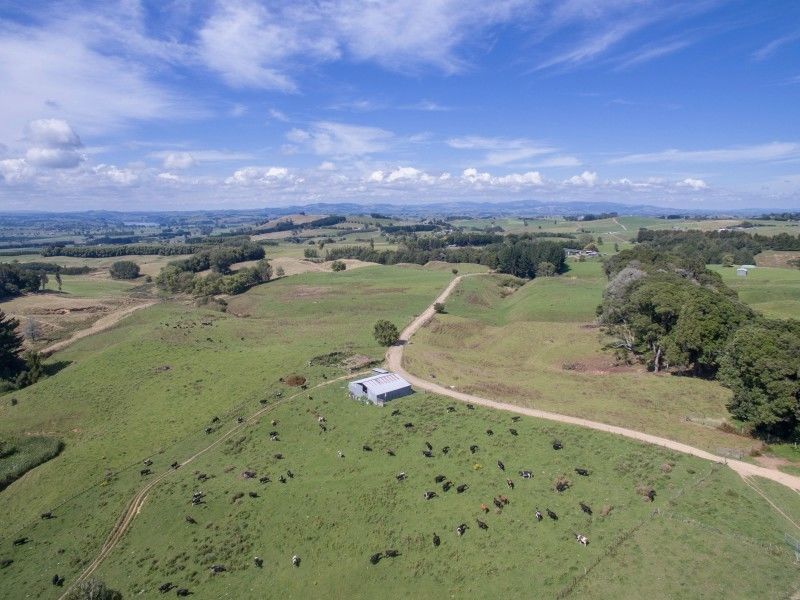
[(149, 387), (537, 347), (20, 455), (773, 291)]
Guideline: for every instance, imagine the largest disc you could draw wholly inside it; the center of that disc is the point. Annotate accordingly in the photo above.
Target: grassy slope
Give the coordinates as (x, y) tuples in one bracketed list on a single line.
[(516, 349), (773, 291), (114, 406)]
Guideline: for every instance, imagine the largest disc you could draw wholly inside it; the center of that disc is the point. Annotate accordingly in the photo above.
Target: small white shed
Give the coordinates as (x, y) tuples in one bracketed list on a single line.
[(742, 271)]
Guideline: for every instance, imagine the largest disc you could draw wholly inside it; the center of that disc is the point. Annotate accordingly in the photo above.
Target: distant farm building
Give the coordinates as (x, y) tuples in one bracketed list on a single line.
[(380, 388), (742, 271)]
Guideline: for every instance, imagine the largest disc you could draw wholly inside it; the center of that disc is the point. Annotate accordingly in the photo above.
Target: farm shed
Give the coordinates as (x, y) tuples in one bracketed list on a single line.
[(380, 388), (742, 271)]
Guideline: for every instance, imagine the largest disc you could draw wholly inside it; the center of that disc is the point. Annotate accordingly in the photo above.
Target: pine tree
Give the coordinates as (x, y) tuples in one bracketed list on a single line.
[(10, 347)]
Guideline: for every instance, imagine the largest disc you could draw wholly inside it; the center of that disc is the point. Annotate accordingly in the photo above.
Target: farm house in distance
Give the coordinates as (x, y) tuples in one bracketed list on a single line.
[(380, 388)]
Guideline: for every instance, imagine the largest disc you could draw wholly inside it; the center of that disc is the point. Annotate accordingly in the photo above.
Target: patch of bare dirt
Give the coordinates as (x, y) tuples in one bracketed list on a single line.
[(772, 462), (293, 380), (358, 362)]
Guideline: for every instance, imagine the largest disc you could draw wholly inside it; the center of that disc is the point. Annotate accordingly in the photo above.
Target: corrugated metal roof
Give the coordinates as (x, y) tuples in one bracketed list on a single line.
[(383, 382)]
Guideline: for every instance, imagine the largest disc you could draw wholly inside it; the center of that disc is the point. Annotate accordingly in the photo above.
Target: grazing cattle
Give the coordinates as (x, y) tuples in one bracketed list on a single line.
[(552, 515), (282, 479), (175, 465), (582, 539), (429, 495), (471, 406), (652, 495), (461, 529), (428, 446), (391, 553), (446, 449), (209, 429), (217, 569), (474, 448), (526, 474), (248, 474), (240, 420), (366, 448), (273, 422), (263, 401), (497, 503), (557, 445), (396, 412), (489, 432), (504, 499), (182, 592), (500, 465), (400, 476), (339, 454), (446, 486), (408, 425), (259, 562), (190, 520), (375, 558), (451, 409), (513, 431), (264, 479), (516, 418), (510, 484), (290, 474), (144, 472), (323, 428), (46, 515), (582, 472), (585, 508), (462, 488), (253, 494), (295, 561), (439, 478), (279, 456), (55, 579), (202, 477), (7, 562), (436, 540), (481, 524), (390, 452), (215, 420), (484, 508), (320, 419), (538, 515), (147, 462), (427, 454), (274, 438), (165, 587)]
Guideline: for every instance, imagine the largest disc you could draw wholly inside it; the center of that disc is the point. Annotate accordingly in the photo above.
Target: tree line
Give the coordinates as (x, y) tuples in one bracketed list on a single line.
[(121, 250), (670, 312)]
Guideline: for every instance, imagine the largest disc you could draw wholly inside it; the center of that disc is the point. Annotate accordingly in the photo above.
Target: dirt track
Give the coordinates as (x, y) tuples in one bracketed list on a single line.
[(101, 324), (394, 359)]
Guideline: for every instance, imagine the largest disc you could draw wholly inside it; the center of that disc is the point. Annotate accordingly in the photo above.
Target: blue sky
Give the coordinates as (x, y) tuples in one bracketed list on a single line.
[(183, 104)]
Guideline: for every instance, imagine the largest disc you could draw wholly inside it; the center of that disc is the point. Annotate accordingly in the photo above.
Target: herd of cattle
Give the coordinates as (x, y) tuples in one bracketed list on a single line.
[(500, 501)]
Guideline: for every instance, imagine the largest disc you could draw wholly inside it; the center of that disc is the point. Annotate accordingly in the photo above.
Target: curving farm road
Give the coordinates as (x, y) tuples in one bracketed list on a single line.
[(394, 359)]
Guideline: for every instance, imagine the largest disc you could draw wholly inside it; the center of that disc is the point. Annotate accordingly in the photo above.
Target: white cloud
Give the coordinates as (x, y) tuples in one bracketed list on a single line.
[(695, 184), (53, 158), (376, 176), (15, 170), (54, 144), (260, 175), (339, 139), (759, 152), (404, 173), (114, 174), (531, 178), (326, 165), (500, 151), (587, 179), (277, 115), (178, 160), (169, 177)]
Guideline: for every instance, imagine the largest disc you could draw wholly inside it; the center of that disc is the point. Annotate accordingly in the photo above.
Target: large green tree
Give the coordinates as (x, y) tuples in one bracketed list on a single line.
[(762, 366), (386, 332), (10, 347)]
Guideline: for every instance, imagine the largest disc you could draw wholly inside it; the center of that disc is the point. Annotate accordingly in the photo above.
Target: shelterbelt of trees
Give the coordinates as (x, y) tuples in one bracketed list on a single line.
[(521, 256), (180, 276), (666, 310), (717, 247)]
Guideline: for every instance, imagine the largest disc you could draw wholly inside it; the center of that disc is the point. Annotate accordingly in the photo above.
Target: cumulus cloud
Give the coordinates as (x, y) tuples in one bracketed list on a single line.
[(54, 144), (260, 175), (117, 175), (178, 160), (531, 178), (15, 170), (585, 179), (326, 165), (695, 184)]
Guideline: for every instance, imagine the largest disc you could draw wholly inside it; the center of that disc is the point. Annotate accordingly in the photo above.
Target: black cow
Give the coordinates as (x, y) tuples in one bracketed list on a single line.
[(474, 448), (57, 580), (481, 524), (538, 515), (462, 488), (429, 495), (400, 476), (526, 474), (428, 446), (366, 448), (279, 456), (427, 454), (240, 420), (253, 494), (557, 445), (175, 465), (585, 508), (513, 431), (471, 406), (190, 520), (375, 558), (436, 540), (552, 515), (144, 472), (408, 425), (217, 569), (264, 479), (515, 418), (582, 472), (21, 541), (259, 562), (46, 515), (439, 478), (215, 420), (446, 486), (451, 409), (6, 562), (489, 432), (209, 429), (446, 449), (396, 412), (391, 553), (165, 587), (182, 592), (461, 529), (390, 452), (500, 465)]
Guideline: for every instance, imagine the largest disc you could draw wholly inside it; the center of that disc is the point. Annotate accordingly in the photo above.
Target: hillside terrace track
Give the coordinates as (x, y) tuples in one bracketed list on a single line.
[(137, 502), (394, 360)]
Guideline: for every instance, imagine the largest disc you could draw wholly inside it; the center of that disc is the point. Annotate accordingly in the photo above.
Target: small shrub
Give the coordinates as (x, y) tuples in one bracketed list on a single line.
[(666, 468), (561, 483), (439, 308), (647, 492), (280, 272), (124, 269), (337, 266), (93, 589), (386, 333)]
